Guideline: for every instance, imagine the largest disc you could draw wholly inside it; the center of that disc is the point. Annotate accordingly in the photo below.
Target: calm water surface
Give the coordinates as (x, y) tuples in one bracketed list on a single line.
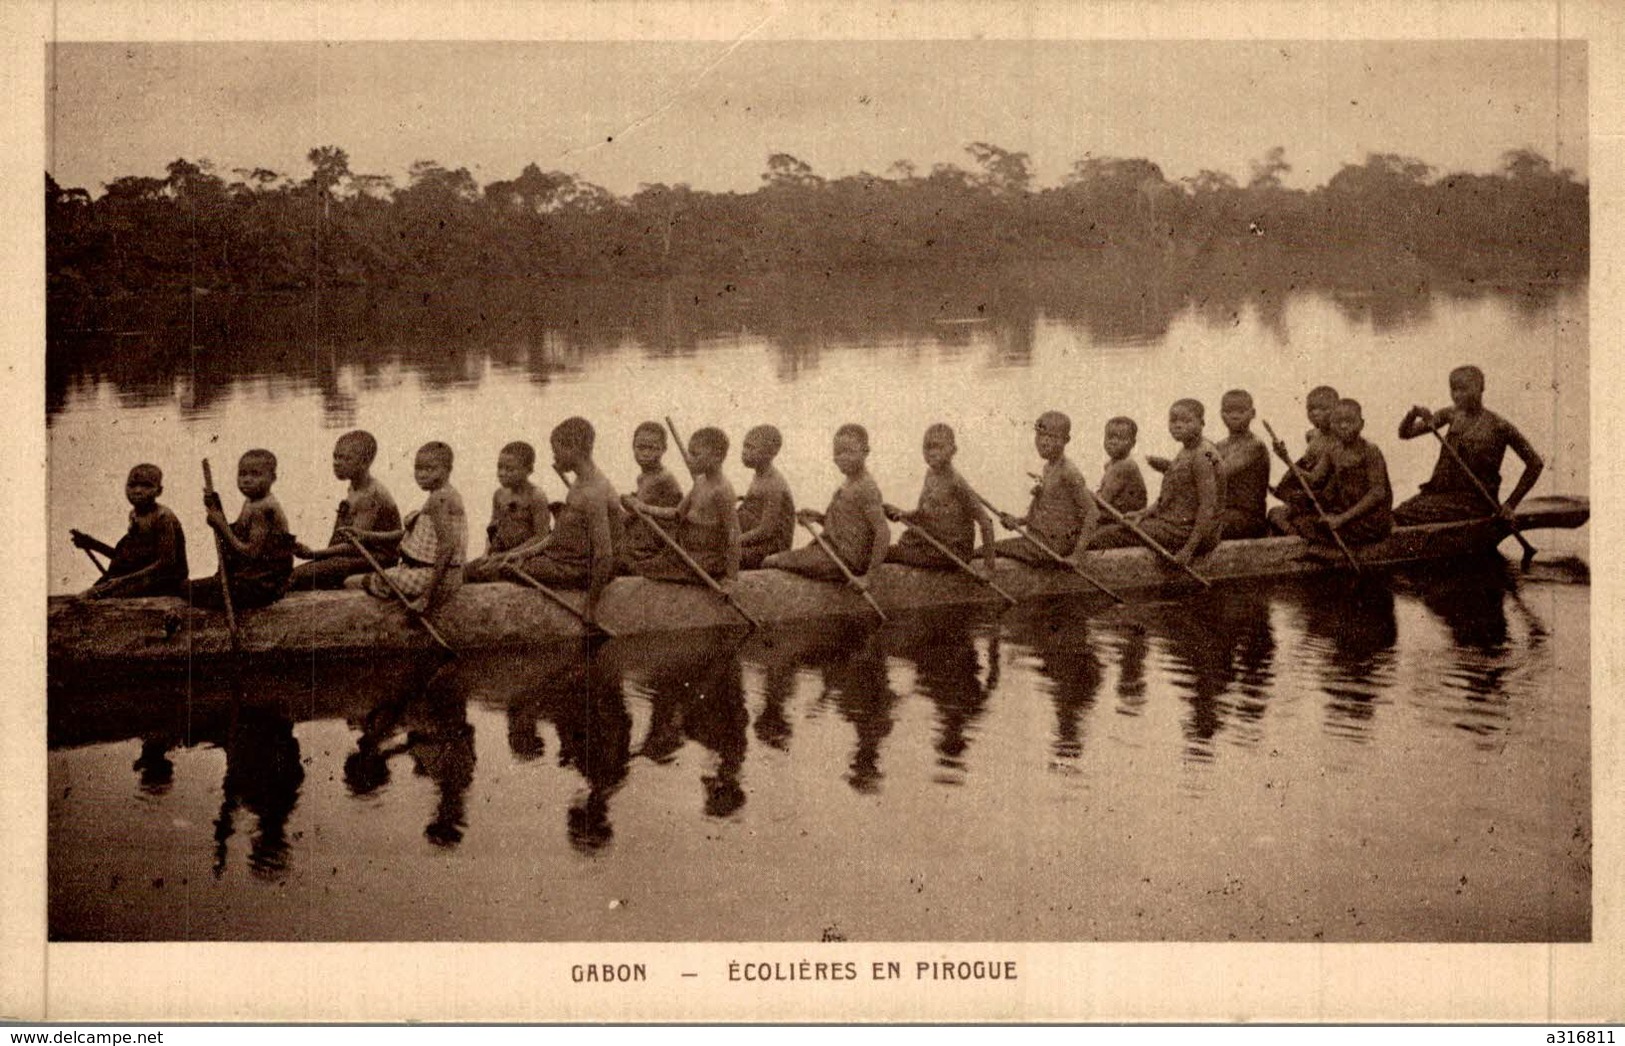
[(1405, 757)]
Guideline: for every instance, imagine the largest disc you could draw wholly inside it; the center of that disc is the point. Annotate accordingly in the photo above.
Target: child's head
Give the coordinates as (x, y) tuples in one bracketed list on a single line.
[(515, 463), (649, 444), (707, 449), (1051, 433), (353, 454), (762, 445), (432, 466), (256, 471), (938, 445), (851, 448), (1347, 420), (1318, 405), (1467, 387), (1185, 419), (143, 485), (1236, 411), (1121, 434), (572, 441)]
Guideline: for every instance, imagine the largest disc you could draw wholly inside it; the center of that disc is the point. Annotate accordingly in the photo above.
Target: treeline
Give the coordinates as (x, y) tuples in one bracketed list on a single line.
[(263, 229)]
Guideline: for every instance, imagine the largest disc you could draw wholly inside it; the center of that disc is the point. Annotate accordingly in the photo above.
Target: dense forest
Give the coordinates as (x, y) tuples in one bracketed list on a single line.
[(263, 229)]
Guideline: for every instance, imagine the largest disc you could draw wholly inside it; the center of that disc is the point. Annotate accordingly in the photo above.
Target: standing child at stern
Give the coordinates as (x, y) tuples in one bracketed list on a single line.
[(1185, 519), (948, 511), (518, 512), (767, 516), (435, 541), (1351, 480), (258, 547), (854, 523), (705, 521), (366, 506), (1245, 464), (1121, 485), (1062, 513), (656, 487), (150, 559)]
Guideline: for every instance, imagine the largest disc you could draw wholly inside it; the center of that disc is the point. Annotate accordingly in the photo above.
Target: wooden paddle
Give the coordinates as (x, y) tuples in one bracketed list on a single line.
[(688, 561), (212, 500), (1489, 499), (960, 563), (413, 612), (90, 552), (1150, 542), (592, 626), (1303, 481), (1050, 552), (851, 579)]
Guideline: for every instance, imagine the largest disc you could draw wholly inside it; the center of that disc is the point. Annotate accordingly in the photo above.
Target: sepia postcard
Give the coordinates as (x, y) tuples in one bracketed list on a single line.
[(833, 512)]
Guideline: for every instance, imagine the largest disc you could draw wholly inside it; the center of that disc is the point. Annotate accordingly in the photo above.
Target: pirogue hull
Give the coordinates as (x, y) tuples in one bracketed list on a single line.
[(136, 631)]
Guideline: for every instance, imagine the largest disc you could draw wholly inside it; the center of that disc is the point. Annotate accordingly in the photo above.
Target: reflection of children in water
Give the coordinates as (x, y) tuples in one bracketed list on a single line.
[(864, 698), (703, 701), (440, 740), (263, 775), (595, 737), (1349, 622), (948, 669), (1058, 638)]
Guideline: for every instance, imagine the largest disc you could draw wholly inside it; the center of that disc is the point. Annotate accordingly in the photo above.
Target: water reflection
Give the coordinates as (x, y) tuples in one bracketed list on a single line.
[(697, 693), (1057, 638), (1350, 633), (263, 775), (948, 673), (1475, 683)]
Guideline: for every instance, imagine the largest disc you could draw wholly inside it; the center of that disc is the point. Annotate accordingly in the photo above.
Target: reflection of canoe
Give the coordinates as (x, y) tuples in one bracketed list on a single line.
[(134, 631)]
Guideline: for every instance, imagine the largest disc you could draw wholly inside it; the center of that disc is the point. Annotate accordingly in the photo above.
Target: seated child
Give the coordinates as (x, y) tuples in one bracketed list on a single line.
[(948, 511), (366, 506), (1481, 438), (1185, 518), (150, 559), (1351, 481), (581, 550), (1245, 462), (1063, 512), (1318, 404), (519, 513), (1121, 485), (854, 523), (705, 522), (433, 544), (258, 547), (655, 486), (767, 516)]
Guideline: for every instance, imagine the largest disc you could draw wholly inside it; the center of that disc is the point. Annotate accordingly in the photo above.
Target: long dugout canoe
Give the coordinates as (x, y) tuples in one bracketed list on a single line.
[(133, 632)]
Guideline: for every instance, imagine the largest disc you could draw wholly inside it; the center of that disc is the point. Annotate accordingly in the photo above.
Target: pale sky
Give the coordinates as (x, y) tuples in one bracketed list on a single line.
[(707, 113)]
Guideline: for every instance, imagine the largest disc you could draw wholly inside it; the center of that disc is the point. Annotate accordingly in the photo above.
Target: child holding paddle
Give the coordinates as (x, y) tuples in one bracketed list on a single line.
[(433, 544), (656, 487), (1062, 514), (1480, 439), (1121, 485), (257, 547), (367, 505), (519, 513), (705, 523), (1246, 466), (581, 551), (150, 559), (1185, 518), (948, 511), (854, 524), (1318, 405), (1351, 482)]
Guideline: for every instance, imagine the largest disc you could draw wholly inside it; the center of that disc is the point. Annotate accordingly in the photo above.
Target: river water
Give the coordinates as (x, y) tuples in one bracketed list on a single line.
[(1404, 757)]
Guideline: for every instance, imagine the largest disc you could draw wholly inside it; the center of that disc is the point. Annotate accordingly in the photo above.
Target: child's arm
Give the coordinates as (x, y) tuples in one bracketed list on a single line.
[(164, 528), (880, 537), (1205, 472), (541, 519), (602, 543), (1159, 463), (82, 540), (663, 513), (496, 521), (984, 522), (1420, 420), (1533, 466), (772, 518), (722, 503), (1084, 500), (258, 516)]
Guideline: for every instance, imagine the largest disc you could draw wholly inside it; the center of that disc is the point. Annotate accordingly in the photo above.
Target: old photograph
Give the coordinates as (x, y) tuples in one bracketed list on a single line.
[(818, 492)]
